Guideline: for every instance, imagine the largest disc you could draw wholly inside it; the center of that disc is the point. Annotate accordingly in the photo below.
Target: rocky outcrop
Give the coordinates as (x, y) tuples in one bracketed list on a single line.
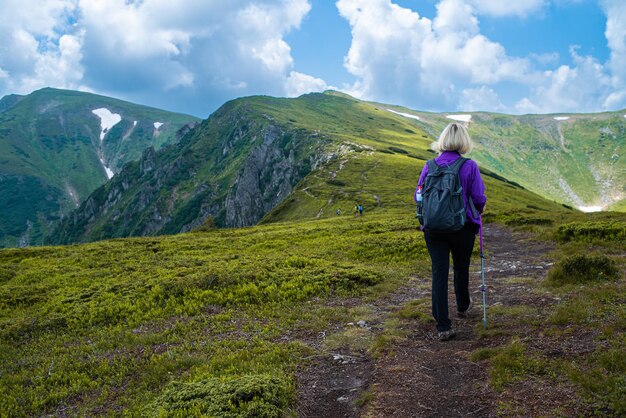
[(267, 177), (232, 169)]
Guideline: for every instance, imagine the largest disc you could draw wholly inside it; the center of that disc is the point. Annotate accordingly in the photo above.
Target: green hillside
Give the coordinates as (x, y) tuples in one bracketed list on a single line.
[(54, 153), (265, 158), (219, 322), (577, 159)]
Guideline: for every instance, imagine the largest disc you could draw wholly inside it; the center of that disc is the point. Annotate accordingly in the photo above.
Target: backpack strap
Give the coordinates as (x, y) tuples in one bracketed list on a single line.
[(456, 166), (432, 165)]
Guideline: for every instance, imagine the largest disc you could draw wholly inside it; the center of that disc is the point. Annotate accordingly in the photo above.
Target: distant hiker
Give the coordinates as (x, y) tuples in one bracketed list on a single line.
[(447, 232), (356, 208), (360, 208), (338, 211)]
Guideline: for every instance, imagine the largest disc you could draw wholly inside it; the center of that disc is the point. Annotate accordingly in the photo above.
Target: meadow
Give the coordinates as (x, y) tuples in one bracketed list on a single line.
[(112, 324), (216, 322)]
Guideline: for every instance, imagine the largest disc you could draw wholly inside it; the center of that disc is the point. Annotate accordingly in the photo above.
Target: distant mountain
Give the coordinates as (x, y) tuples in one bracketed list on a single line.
[(263, 159), (58, 146), (578, 159)]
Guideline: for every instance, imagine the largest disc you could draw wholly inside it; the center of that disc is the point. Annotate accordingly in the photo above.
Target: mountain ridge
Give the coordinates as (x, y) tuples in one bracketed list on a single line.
[(263, 158), (56, 149), (558, 157)]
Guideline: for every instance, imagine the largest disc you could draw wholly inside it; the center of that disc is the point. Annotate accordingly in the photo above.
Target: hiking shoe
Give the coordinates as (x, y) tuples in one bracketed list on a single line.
[(465, 313), (446, 335)]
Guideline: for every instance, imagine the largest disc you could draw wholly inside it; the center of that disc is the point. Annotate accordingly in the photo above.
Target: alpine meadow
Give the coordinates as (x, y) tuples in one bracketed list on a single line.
[(222, 270)]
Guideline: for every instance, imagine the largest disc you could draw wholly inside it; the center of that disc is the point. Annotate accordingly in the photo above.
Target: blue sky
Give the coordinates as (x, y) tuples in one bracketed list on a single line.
[(519, 56), (550, 30)]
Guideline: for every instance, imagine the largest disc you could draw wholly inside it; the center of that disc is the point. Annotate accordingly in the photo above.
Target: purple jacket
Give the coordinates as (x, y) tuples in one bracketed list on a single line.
[(471, 181)]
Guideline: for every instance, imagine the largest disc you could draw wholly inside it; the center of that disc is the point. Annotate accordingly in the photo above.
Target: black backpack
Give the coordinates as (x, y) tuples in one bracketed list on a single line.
[(442, 207)]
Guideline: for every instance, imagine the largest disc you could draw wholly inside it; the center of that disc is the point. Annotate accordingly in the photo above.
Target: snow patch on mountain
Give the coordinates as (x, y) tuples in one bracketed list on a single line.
[(589, 209), (72, 193), (107, 120), (559, 118), (157, 125), (461, 118), (406, 115), (109, 172)]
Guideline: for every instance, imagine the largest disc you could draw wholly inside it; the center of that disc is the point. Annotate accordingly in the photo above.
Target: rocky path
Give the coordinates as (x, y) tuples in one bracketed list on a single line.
[(419, 376)]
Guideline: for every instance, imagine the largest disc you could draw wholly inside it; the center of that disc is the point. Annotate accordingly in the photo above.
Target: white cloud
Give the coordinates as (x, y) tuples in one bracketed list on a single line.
[(176, 54), (447, 63), (616, 36), (39, 46), (545, 59), (298, 84), (215, 50), (580, 88), (482, 98), (41, 18), (456, 18), (386, 46), (403, 58), (143, 50), (500, 8)]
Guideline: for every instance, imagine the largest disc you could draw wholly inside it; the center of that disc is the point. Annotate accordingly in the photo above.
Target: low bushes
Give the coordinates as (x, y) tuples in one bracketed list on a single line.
[(590, 231), (246, 396), (581, 268)]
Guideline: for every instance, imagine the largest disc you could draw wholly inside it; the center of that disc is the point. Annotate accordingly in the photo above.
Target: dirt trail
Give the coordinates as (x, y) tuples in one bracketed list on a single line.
[(420, 376)]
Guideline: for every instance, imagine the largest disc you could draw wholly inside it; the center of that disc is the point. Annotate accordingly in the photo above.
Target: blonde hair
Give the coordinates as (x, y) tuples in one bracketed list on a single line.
[(454, 138)]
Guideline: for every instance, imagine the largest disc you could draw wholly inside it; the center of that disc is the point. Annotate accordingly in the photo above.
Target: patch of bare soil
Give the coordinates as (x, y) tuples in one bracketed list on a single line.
[(332, 384), (420, 376)]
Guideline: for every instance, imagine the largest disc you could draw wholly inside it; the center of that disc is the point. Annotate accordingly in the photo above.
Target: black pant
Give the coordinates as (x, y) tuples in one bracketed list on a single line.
[(440, 245)]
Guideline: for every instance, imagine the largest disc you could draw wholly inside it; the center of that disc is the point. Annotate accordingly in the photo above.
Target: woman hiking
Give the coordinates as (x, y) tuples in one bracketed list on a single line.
[(453, 142)]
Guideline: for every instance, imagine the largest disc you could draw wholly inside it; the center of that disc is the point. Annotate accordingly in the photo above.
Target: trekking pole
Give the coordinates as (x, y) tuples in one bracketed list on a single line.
[(482, 271)]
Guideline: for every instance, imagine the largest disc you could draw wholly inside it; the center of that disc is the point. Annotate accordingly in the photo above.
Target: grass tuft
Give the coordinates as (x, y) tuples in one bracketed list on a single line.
[(582, 268)]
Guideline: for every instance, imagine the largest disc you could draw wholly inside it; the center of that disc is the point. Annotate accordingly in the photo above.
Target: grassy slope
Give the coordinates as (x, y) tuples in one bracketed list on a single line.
[(586, 152), (50, 148), (378, 158), (80, 323), (108, 326), (191, 181)]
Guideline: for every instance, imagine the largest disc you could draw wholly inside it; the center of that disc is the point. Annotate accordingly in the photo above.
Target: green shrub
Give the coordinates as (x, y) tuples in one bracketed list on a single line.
[(582, 268), (589, 231), (246, 396), (335, 182), (483, 354), (398, 150)]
